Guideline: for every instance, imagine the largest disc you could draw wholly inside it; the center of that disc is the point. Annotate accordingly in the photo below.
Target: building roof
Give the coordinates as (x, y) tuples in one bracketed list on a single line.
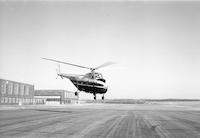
[(22, 83), (50, 92)]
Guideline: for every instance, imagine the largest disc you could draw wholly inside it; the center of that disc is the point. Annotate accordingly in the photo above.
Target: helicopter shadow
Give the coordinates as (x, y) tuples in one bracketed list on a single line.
[(55, 111)]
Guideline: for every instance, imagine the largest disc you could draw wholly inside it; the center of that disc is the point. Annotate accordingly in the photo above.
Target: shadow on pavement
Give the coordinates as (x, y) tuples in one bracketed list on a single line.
[(46, 110)]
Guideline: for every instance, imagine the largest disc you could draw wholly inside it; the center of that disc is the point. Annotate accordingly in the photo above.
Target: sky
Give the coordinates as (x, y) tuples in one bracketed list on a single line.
[(155, 45)]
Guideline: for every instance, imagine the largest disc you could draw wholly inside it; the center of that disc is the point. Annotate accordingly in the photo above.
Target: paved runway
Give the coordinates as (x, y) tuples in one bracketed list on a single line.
[(102, 121)]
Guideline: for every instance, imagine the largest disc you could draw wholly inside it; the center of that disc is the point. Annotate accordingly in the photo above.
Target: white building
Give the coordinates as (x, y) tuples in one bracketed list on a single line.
[(56, 96)]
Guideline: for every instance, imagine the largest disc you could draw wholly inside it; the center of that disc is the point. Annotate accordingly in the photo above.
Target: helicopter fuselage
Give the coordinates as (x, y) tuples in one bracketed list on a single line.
[(87, 84), (90, 85)]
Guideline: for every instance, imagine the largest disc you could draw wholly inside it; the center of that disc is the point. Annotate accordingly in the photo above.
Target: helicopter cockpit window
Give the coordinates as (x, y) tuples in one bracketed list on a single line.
[(98, 76), (95, 75), (89, 75)]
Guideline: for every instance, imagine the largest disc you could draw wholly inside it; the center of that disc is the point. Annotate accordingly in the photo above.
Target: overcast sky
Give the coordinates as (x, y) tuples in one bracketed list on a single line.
[(156, 45)]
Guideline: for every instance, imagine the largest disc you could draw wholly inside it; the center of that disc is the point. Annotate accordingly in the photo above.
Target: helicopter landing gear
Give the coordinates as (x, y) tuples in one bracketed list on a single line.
[(76, 93), (94, 96), (103, 97)]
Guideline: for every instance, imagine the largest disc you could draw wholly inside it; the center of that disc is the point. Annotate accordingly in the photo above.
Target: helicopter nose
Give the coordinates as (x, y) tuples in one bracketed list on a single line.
[(106, 87)]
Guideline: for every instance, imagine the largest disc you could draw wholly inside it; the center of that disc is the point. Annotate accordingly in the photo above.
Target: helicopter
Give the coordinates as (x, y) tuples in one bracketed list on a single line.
[(92, 82)]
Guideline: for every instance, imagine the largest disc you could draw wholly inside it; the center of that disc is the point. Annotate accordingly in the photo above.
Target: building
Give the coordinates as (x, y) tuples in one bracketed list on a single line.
[(56, 96), (12, 92), (17, 93)]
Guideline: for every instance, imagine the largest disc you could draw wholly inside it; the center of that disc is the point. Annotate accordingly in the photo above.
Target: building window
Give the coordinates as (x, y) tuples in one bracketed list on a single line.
[(13, 100), (3, 87), (17, 100), (26, 90), (20, 100), (9, 100), (6, 99), (2, 99), (65, 94), (22, 90), (16, 89), (10, 88)]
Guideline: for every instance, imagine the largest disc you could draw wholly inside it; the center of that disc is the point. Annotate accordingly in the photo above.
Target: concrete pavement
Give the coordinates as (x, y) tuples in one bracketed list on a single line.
[(102, 121)]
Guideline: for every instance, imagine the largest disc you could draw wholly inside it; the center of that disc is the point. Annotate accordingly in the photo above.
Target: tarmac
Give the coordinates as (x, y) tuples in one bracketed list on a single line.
[(166, 120)]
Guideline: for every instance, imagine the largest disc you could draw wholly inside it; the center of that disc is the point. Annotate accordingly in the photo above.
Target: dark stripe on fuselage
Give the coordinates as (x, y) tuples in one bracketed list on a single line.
[(90, 87)]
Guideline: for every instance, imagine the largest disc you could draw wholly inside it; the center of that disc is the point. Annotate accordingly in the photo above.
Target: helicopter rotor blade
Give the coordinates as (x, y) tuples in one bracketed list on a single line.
[(104, 65), (66, 63)]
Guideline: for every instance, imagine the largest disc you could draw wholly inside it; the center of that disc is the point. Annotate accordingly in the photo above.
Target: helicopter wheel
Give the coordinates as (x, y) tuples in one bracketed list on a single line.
[(76, 93), (103, 97), (94, 96)]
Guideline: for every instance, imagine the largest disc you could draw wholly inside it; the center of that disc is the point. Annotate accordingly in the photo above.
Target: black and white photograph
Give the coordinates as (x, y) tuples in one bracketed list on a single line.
[(99, 69)]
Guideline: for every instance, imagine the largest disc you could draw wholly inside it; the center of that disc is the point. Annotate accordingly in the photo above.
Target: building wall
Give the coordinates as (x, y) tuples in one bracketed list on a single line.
[(69, 97), (65, 96), (12, 92), (49, 100)]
